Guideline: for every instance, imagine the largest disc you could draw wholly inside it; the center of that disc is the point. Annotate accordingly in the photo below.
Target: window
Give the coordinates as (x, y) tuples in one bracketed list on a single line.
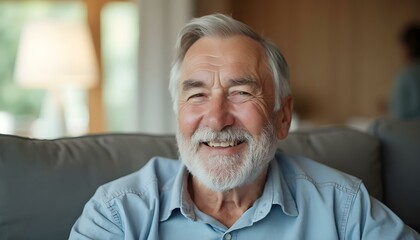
[(20, 107), (120, 40)]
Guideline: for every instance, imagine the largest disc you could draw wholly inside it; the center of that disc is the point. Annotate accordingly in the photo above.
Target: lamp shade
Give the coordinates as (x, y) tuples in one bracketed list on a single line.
[(55, 54)]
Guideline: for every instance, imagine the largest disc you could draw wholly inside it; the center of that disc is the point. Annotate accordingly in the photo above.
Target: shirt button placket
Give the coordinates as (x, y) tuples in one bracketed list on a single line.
[(228, 236)]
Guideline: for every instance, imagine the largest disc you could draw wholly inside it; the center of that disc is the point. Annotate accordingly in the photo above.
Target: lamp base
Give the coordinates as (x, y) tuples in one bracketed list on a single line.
[(52, 118)]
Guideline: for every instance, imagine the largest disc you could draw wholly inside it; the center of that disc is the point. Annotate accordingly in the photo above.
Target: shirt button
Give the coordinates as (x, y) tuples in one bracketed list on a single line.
[(228, 236)]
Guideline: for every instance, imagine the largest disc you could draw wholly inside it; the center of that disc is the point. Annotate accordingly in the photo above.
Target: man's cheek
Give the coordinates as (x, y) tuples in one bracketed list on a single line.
[(189, 120)]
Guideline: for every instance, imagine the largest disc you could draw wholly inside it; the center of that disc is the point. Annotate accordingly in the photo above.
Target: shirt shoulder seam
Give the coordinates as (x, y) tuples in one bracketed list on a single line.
[(351, 188), (108, 199), (346, 212)]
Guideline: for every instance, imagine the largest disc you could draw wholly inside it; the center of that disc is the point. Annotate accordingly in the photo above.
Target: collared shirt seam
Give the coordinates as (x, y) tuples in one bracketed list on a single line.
[(347, 189), (346, 211), (115, 214), (109, 202), (121, 193)]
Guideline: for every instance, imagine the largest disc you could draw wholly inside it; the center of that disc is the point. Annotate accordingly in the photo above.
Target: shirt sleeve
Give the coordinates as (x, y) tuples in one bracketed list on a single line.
[(98, 221), (370, 219)]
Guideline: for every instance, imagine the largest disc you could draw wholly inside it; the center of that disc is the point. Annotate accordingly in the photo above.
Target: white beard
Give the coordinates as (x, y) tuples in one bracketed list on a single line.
[(221, 173)]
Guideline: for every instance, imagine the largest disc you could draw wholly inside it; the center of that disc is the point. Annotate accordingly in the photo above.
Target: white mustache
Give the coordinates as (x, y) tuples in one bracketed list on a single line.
[(227, 135)]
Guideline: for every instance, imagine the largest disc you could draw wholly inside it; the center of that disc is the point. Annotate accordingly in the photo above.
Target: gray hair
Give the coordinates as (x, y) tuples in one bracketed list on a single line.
[(219, 25)]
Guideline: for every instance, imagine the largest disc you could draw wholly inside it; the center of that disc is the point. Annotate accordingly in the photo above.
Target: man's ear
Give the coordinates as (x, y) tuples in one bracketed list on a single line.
[(284, 117)]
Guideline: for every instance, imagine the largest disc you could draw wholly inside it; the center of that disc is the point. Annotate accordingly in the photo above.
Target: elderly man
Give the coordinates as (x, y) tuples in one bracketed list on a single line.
[(232, 98)]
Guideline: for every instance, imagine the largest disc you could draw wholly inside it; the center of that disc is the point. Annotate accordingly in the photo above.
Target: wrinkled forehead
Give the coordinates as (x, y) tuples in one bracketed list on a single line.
[(222, 46), (239, 54)]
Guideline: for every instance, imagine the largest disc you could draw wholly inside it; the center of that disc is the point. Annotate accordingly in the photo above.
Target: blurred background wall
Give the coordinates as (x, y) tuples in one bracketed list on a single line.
[(343, 56)]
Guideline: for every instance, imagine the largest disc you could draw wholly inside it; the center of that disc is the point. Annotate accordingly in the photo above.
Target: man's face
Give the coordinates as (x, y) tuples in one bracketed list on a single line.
[(227, 128)]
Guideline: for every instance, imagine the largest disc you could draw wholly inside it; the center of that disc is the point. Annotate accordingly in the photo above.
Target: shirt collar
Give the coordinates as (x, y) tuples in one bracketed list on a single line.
[(276, 192), (172, 192), (281, 192)]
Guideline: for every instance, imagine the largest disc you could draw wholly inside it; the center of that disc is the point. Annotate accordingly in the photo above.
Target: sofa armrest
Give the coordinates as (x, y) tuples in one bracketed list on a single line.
[(400, 151)]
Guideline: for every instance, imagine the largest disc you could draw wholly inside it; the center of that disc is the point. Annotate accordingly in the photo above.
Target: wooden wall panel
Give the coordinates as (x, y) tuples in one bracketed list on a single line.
[(343, 55), (95, 96)]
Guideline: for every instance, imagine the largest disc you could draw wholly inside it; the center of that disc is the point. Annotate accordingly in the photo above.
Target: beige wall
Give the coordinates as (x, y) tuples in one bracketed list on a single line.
[(343, 54)]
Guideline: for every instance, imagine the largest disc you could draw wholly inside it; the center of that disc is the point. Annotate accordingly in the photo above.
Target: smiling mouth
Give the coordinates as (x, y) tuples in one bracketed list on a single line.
[(224, 144)]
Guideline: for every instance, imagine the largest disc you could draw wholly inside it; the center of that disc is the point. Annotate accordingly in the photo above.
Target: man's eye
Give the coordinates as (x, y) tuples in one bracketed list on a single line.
[(244, 93), (240, 96), (195, 96), (241, 93)]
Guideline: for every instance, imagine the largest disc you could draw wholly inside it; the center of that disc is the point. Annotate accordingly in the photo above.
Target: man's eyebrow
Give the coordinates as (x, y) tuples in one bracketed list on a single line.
[(243, 81), (191, 83)]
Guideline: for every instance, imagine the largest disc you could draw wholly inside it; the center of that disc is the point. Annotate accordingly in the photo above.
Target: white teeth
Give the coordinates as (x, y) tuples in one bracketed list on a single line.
[(222, 144)]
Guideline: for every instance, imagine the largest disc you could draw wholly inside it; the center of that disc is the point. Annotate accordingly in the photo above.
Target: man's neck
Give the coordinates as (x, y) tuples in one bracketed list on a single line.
[(226, 207)]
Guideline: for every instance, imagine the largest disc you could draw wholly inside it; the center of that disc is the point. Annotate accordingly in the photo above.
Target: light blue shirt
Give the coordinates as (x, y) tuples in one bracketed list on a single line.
[(302, 199)]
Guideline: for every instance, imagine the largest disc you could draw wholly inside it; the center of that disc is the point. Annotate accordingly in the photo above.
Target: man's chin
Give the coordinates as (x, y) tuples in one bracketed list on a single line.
[(221, 178), (217, 186)]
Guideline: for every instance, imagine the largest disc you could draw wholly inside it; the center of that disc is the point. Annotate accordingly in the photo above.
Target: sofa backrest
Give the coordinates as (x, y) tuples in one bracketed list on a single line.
[(400, 153), (44, 184), (345, 149)]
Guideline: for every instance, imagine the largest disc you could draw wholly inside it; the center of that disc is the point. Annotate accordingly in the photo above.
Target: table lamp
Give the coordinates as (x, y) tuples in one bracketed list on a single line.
[(55, 55)]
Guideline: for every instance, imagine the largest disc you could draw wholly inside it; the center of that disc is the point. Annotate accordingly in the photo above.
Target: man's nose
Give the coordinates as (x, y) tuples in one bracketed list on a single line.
[(218, 114)]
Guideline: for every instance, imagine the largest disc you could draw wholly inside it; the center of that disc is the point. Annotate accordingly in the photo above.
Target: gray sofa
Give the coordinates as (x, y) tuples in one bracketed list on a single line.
[(45, 183)]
